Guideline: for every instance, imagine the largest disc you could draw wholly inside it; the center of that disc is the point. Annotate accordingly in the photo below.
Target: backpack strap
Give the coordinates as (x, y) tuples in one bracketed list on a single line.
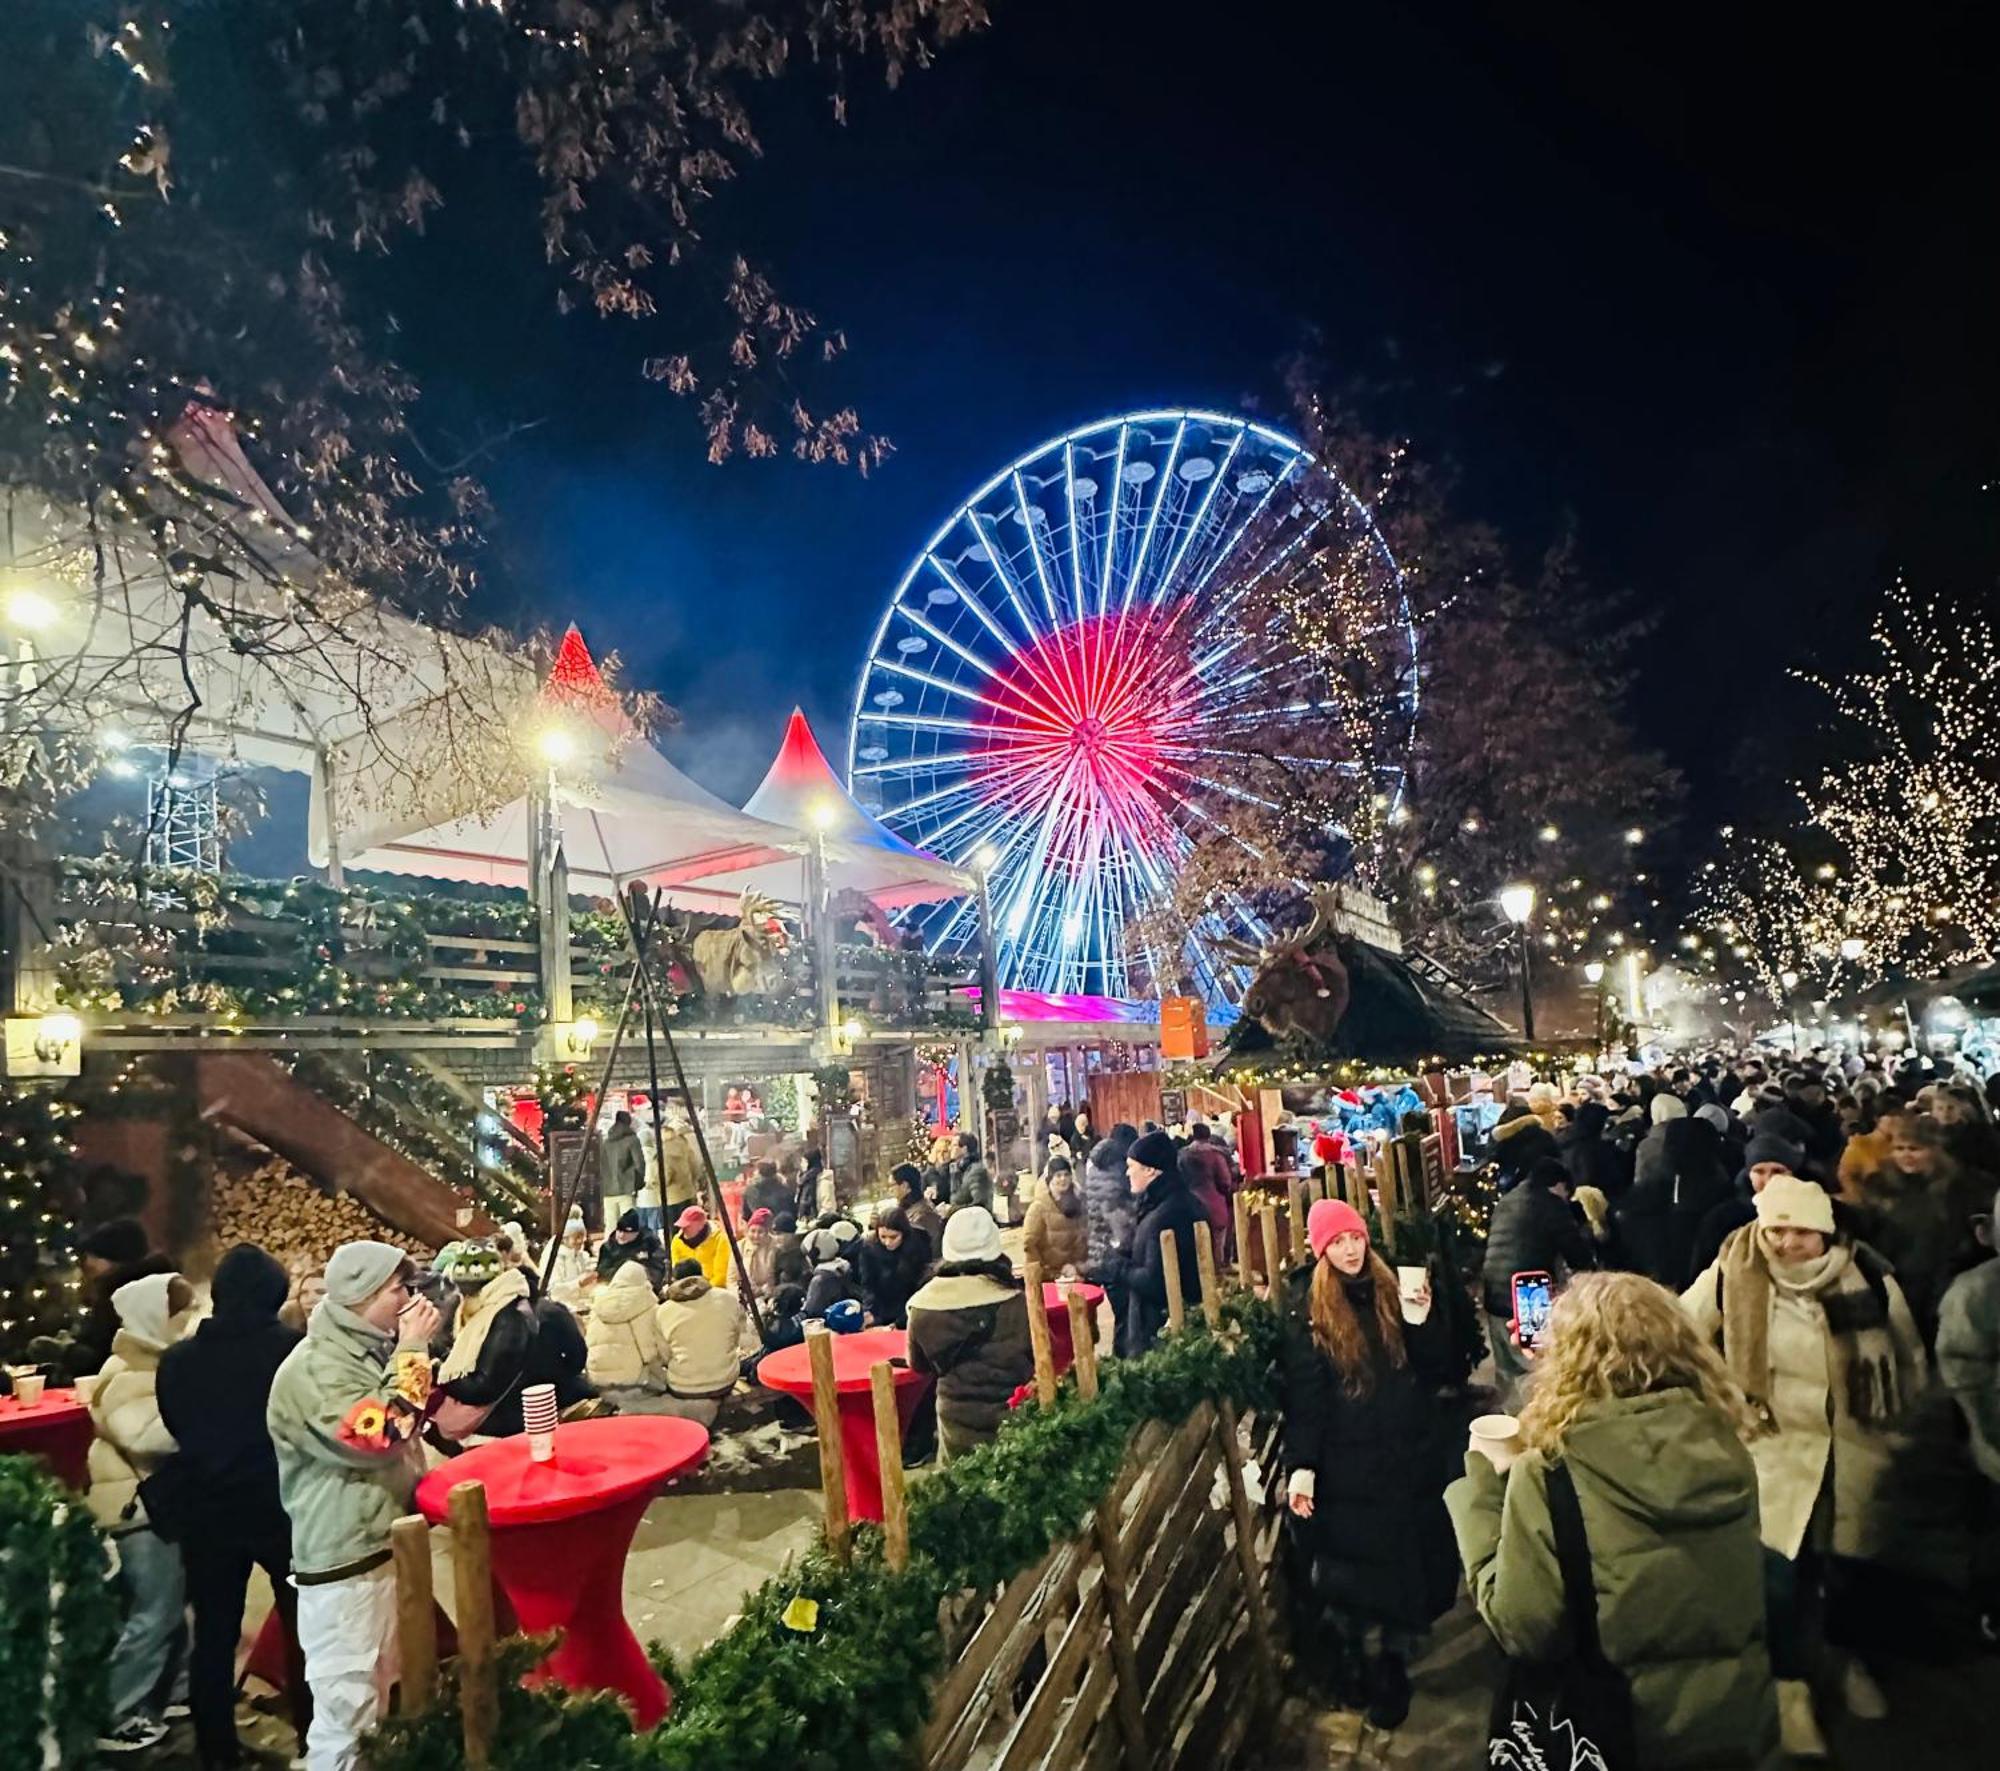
[(1573, 1559)]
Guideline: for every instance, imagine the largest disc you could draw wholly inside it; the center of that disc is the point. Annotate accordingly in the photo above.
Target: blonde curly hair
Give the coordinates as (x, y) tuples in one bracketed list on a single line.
[(1613, 1335)]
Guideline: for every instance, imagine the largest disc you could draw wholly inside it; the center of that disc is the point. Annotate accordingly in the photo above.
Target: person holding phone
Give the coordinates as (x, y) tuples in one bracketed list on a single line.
[(1362, 1364), (1535, 1231)]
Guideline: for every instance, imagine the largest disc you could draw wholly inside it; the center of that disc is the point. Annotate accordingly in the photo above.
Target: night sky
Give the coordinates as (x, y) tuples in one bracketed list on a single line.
[(1718, 291)]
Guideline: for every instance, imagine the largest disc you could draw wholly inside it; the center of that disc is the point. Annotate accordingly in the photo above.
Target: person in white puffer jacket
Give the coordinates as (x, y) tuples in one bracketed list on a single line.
[(627, 1358), (707, 1335), (153, 1313)]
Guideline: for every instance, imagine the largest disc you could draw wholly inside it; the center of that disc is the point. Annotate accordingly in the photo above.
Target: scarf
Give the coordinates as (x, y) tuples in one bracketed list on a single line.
[(1860, 1354), (476, 1315)]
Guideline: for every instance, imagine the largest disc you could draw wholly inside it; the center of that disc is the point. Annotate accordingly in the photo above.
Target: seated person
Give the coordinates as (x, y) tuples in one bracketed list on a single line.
[(707, 1334)]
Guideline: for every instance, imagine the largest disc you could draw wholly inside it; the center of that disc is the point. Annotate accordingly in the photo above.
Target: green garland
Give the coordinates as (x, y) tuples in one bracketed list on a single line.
[(62, 1620), (40, 1202), (854, 1690)]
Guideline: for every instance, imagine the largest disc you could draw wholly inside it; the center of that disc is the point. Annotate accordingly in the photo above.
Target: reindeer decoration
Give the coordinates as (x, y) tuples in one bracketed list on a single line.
[(743, 961), (1300, 988)]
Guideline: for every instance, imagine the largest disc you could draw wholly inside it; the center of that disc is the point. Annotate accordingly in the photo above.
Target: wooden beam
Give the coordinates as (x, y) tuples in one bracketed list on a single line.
[(1038, 1335), (1083, 1345), (826, 1416), (1170, 1271), (1265, 1669), (1274, 1260), (472, 1583), (1245, 1272), (416, 1612), (889, 1453), (1211, 1287)]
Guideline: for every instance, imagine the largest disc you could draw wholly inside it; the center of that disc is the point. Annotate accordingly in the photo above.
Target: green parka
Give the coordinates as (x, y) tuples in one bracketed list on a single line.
[(1669, 1499)]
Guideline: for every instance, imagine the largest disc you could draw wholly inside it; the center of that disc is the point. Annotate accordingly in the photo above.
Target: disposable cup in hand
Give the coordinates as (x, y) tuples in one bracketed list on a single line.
[(1497, 1437), (1413, 1286), (28, 1389)]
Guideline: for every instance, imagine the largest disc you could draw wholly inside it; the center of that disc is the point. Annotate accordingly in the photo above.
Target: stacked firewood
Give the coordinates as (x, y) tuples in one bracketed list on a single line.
[(259, 1197)]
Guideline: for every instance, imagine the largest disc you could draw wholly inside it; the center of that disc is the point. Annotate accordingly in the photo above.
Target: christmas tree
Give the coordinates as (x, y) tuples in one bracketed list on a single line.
[(38, 1274)]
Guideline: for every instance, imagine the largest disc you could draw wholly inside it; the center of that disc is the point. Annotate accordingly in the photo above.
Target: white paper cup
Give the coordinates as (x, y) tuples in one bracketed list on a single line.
[(1411, 1285), (1497, 1437), (542, 1448), (28, 1389), (86, 1387)]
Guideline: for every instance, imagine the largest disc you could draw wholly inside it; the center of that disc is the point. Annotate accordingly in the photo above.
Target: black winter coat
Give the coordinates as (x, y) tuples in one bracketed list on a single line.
[(213, 1389), (643, 1247), (767, 1193), (1591, 1161), (1658, 1218), (1379, 1539), (503, 1360), (1109, 1212), (889, 1276), (1166, 1205), (970, 1330), (556, 1355), (1533, 1231)]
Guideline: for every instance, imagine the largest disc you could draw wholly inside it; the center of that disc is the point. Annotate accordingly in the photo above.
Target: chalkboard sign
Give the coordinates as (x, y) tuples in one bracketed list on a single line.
[(571, 1172), (1173, 1106)]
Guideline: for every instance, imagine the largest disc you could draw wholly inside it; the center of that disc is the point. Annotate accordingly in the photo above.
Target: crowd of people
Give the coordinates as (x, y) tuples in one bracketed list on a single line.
[(1769, 1390)]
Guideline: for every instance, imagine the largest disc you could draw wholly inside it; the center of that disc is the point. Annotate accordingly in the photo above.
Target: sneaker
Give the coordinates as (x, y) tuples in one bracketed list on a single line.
[(136, 1734), (177, 1711), (1798, 1727), (1863, 1697)]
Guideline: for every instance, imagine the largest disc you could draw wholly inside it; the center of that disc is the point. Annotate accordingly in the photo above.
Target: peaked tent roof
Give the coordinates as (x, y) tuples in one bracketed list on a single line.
[(627, 812), (863, 854)]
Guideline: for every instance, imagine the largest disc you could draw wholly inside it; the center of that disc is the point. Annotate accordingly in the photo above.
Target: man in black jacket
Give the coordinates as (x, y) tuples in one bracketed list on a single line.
[(212, 1389), (1534, 1230), (1152, 1166)]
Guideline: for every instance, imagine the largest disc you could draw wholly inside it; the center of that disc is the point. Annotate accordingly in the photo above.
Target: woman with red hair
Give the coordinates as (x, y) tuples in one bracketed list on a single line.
[(1368, 1466)]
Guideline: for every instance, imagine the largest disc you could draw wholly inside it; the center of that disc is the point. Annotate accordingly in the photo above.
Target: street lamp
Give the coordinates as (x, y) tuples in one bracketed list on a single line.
[(1518, 902), (1593, 972)]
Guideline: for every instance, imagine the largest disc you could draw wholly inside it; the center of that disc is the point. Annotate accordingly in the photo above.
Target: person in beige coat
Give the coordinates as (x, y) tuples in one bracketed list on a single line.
[(627, 1358), (1819, 1337), (131, 1443), (707, 1335), (1058, 1235)]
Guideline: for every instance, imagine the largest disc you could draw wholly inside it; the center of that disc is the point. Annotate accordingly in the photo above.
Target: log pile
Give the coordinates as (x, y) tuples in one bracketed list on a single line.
[(259, 1197)]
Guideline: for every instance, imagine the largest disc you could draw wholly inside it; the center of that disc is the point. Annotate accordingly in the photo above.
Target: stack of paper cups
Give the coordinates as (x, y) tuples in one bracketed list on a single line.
[(538, 1415)]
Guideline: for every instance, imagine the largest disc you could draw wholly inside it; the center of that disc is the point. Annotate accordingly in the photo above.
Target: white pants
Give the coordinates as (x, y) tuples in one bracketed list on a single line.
[(347, 1632)]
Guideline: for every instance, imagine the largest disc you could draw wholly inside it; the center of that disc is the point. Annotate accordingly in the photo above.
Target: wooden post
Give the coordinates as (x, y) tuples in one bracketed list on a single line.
[(1083, 1341), (1245, 1275), (1038, 1334), (1127, 1691), (1300, 1195), (416, 1612), (1274, 1260), (472, 1581), (889, 1453), (1266, 1666), (1388, 1189), (1170, 1271), (826, 1416), (1204, 1261)]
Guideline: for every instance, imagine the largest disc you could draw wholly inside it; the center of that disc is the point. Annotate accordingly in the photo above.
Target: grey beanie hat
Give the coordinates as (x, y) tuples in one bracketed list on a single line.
[(359, 1270)]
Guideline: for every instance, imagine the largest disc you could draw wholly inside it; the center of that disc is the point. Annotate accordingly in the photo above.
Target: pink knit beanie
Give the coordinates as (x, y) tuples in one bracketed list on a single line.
[(1330, 1218)]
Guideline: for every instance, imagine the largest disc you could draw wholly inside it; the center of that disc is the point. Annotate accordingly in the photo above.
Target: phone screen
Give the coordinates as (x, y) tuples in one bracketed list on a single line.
[(1531, 1308)]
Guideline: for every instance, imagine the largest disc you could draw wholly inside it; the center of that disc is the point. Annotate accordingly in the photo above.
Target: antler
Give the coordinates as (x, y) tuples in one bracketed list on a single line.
[(1326, 904), (1240, 951)]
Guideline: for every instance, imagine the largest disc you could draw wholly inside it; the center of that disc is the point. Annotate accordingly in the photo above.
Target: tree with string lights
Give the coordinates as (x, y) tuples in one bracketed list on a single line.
[(1891, 867), (1509, 759)]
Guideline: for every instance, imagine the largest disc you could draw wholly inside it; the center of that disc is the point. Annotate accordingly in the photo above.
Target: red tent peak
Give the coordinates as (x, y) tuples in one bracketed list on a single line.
[(574, 676), (801, 762)]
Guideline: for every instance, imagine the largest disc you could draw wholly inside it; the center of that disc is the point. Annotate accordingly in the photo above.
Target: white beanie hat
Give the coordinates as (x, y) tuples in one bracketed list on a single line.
[(1666, 1106), (970, 1234), (1788, 1203)]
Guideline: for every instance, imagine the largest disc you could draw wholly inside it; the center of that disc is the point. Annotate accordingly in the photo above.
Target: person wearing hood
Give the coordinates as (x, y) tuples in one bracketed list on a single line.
[(969, 1330), (831, 1248), (491, 1335), (697, 1239), (624, 1355), (1152, 1168), (707, 1336), (112, 1255), (766, 1191), (346, 1411), (1520, 1140), (1361, 1438), (132, 1442), (572, 1268), (1763, 1158), (1817, 1335), (1057, 1239), (971, 1180), (1732, 1134), (1589, 1156), (623, 1162), (915, 1203), (1658, 1218), (630, 1240), (894, 1256), (1533, 1230), (1635, 1416), (1109, 1214), (1649, 1161), (213, 1388)]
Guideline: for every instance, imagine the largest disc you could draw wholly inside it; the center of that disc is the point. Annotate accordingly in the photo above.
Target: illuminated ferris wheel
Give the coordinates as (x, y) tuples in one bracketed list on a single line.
[(1057, 670)]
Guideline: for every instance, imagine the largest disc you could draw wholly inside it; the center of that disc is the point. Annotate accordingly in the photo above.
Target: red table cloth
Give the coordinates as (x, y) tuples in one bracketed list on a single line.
[(561, 1532), (1056, 1301), (56, 1430), (854, 1355)]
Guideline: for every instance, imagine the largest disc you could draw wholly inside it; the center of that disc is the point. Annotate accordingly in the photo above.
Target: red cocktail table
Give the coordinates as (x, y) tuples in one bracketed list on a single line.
[(561, 1532), (56, 1430), (789, 1370), (1057, 1304)]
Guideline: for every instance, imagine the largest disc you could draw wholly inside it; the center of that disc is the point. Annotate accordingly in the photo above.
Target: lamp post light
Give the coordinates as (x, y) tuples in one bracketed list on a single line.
[(984, 859), (1593, 973), (1518, 903)]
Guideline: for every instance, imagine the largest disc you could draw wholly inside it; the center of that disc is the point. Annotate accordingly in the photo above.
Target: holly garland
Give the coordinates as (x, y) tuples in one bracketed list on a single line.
[(62, 1621), (39, 1208), (844, 1679)]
